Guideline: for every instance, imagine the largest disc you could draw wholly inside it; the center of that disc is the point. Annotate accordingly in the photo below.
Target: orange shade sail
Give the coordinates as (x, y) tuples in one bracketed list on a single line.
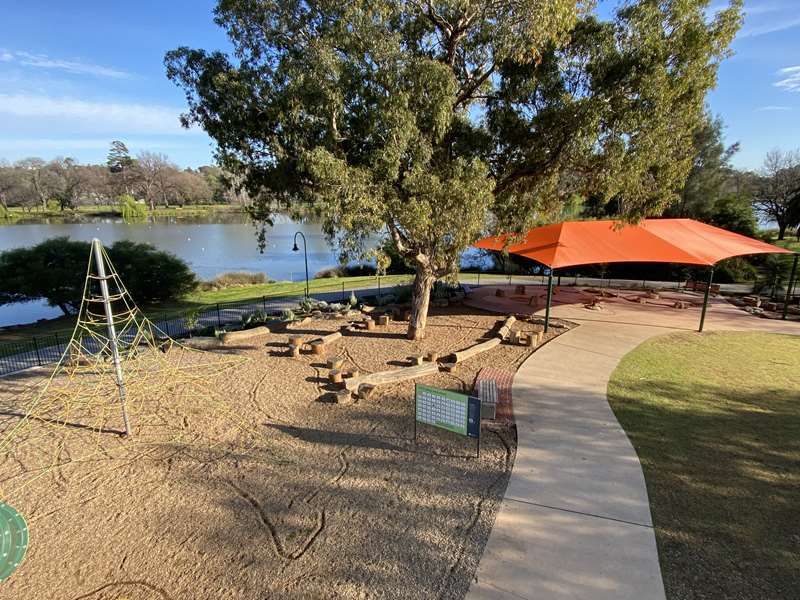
[(683, 241)]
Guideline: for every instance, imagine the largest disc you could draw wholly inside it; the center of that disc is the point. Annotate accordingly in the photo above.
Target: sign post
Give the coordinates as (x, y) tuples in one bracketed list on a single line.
[(448, 410)]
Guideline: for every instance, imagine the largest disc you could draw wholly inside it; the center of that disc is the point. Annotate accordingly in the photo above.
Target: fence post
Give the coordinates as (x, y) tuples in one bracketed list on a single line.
[(343, 297), (58, 342), (479, 277), (219, 318), (379, 288), (36, 347), (166, 324), (264, 303)]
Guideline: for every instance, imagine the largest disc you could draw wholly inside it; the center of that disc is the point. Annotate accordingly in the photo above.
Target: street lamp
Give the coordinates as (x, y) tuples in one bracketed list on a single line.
[(295, 248)]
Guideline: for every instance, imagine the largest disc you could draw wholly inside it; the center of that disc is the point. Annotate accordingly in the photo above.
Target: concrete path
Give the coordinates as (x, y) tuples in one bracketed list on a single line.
[(575, 522)]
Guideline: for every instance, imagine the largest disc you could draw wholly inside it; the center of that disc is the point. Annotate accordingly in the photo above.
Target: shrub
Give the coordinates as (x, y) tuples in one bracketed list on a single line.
[(4, 212), (130, 209), (234, 279), (353, 299), (55, 269), (329, 273)]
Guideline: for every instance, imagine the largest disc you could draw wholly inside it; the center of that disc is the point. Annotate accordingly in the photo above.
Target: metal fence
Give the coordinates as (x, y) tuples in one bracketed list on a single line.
[(45, 350)]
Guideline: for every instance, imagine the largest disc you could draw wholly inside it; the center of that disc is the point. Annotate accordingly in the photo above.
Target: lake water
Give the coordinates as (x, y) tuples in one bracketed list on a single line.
[(210, 248)]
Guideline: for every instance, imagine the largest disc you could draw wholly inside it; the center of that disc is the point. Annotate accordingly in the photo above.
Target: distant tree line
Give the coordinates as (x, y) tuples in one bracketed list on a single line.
[(149, 177)]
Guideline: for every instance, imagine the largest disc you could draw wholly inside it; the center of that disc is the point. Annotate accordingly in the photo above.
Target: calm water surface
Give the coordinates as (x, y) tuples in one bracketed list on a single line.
[(210, 245)]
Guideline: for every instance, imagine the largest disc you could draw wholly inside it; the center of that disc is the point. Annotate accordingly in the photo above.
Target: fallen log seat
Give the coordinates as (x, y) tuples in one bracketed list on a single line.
[(505, 330), (318, 346), (201, 342), (394, 376), (383, 320), (369, 324), (246, 335), (335, 376), (295, 341)]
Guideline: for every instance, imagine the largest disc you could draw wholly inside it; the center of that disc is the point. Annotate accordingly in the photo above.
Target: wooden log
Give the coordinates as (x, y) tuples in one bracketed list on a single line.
[(350, 373), (365, 390), (520, 290), (317, 347), (383, 320), (294, 351), (335, 376), (432, 357), (370, 324), (463, 355), (394, 376), (500, 293), (417, 359), (331, 337), (505, 330), (335, 363), (246, 335)]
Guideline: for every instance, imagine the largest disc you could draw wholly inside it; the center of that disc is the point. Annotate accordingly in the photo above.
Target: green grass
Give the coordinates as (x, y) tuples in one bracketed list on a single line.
[(715, 419), (199, 299), (16, 213)]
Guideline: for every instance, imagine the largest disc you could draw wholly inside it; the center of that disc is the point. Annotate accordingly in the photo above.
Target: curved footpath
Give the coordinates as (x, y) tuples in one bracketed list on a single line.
[(575, 521)]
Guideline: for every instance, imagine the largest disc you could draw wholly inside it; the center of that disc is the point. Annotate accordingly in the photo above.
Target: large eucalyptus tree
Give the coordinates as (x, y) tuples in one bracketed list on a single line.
[(419, 118)]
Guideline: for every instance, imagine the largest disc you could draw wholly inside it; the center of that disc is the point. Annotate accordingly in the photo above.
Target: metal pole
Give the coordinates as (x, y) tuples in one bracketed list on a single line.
[(36, 347), (789, 286), (549, 300), (112, 333), (305, 253), (705, 298)]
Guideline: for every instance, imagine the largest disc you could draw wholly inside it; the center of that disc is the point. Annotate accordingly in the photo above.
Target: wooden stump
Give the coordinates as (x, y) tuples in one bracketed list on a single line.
[(432, 357), (417, 359), (350, 373), (344, 396), (335, 363), (294, 351), (295, 341), (449, 367), (530, 340), (318, 348), (370, 324), (335, 376), (500, 293), (383, 320)]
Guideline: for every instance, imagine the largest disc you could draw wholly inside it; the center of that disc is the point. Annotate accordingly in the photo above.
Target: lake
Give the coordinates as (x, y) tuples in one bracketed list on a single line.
[(210, 245)]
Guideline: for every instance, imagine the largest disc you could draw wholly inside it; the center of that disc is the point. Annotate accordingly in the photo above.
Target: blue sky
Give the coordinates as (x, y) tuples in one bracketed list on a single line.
[(74, 76)]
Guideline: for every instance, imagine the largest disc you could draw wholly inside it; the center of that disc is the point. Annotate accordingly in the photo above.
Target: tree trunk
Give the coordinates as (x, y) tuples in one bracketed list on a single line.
[(423, 283), (781, 230)]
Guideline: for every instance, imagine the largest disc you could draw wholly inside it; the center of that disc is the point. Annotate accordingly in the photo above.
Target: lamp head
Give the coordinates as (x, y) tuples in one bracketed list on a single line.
[(295, 248)]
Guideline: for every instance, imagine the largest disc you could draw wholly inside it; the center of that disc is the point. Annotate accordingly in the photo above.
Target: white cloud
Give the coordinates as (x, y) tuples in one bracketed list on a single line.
[(769, 28), (791, 79), (42, 61), (88, 116), (774, 108)]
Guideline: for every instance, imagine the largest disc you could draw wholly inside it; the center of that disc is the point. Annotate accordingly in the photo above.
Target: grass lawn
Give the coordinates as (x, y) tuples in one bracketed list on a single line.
[(715, 419)]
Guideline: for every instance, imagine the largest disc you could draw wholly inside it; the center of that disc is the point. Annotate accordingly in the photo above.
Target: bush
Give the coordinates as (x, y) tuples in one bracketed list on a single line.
[(4, 212), (130, 209), (329, 273), (346, 271), (55, 269), (234, 279)]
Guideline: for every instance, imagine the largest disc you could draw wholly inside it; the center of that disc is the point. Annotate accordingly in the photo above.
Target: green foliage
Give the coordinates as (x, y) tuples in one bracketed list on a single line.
[(233, 279), (353, 300), (53, 205), (56, 269), (4, 212), (421, 118), (130, 209)]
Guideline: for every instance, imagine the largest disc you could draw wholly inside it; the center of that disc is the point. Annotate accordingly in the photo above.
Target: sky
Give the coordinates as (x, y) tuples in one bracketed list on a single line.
[(76, 75)]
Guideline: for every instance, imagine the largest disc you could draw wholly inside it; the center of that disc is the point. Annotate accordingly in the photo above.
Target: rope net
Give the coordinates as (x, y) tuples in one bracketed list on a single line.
[(69, 428)]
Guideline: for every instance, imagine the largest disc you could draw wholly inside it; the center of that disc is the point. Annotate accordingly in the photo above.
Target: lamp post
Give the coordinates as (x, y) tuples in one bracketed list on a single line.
[(295, 248)]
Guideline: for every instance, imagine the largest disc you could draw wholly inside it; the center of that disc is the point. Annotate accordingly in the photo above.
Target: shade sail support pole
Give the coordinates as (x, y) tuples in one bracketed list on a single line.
[(549, 301), (789, 286), (705, 298)]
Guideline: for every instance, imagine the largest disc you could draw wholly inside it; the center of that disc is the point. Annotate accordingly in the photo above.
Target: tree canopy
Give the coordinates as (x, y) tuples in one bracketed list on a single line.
[(420, 118)]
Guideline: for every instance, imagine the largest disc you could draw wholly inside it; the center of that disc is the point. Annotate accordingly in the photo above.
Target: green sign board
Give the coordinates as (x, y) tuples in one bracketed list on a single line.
[(13, 540), (448, 410)]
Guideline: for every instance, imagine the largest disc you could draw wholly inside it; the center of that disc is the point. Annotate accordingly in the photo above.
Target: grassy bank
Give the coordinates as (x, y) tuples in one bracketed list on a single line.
[(198, 299), (715, 419), (17, 213)]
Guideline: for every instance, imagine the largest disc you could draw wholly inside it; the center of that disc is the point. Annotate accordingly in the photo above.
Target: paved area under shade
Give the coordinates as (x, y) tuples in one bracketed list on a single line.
[(575, 521)]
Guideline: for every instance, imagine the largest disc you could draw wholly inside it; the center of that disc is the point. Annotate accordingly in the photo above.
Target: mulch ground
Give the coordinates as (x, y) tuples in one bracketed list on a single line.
[(254, 484)]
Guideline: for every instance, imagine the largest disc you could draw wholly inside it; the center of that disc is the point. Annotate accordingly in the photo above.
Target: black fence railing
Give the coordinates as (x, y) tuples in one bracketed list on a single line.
[(45, 350)]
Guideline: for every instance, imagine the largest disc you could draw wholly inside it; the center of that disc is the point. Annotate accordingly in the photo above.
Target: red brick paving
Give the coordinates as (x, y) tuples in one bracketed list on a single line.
[(503, 379)]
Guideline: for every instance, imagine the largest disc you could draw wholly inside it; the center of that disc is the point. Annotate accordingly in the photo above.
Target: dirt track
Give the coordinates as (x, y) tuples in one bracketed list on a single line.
[(308, 499)]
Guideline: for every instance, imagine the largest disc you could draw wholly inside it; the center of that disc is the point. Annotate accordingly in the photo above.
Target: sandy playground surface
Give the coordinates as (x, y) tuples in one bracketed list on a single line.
[(245, 481)]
